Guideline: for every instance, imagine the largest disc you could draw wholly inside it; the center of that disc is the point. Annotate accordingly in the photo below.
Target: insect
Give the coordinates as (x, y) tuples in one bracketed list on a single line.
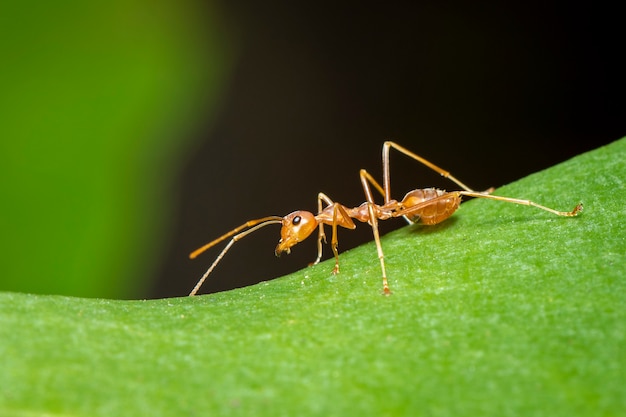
[(428, 206)]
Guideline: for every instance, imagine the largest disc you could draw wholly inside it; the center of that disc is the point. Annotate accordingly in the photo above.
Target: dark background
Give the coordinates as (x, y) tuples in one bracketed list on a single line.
[(491, 93)]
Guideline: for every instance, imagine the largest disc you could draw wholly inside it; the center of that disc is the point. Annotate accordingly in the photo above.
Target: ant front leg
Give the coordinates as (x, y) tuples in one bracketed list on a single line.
[(334, 215), (321, 236), (344, 221)]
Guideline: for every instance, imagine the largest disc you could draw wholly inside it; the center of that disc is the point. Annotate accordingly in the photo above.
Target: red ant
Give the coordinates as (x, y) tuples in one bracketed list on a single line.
[(427, 206)]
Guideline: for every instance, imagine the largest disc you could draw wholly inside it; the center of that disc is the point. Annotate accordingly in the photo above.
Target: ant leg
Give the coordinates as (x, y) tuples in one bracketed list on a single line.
[(366, 180), (321, 236), (346, 221), (334, 242), (572, 213), (365, 176), (379, 248), (386, 180)]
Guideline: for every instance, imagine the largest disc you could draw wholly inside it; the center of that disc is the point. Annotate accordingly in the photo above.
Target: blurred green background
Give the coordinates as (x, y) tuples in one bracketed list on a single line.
[(96, 100)]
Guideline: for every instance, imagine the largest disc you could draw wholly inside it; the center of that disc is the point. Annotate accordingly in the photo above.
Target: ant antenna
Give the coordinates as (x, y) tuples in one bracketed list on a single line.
[(252, 226)]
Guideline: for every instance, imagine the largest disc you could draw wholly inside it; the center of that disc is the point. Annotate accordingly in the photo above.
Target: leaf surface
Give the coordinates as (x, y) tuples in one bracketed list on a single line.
[(502, 310)]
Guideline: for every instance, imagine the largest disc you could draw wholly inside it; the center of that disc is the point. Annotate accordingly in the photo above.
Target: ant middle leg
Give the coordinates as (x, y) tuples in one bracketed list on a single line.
[(366, 180)]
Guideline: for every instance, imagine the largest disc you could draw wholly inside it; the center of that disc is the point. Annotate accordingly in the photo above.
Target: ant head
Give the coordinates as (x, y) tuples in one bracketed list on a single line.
[(297, 226)]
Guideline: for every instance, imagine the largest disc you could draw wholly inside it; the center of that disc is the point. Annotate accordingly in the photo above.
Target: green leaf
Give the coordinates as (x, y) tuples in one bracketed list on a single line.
[(503, 310)]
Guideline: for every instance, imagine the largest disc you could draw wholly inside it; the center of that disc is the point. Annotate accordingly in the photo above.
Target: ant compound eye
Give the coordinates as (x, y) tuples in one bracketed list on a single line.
[(296, 220)]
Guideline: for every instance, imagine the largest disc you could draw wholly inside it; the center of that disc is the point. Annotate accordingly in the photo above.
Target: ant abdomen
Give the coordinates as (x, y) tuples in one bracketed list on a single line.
[(434, 212)]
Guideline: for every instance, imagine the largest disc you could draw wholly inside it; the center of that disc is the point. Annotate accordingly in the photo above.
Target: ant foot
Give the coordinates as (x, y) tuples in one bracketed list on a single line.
[(577, 209)]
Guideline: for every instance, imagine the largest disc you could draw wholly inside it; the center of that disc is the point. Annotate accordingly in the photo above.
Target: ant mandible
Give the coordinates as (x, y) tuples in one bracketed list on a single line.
[(428, 206)]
